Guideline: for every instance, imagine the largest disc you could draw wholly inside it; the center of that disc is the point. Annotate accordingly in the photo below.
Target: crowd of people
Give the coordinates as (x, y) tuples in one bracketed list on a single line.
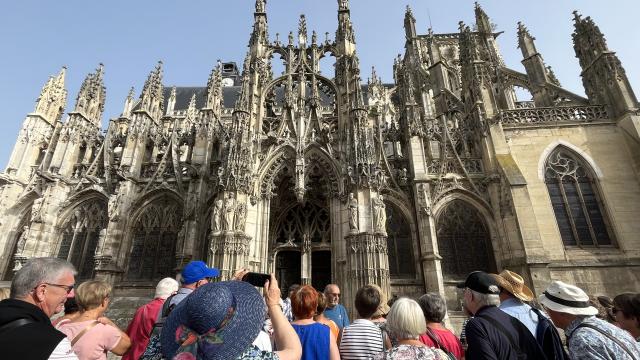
[(47, 317)]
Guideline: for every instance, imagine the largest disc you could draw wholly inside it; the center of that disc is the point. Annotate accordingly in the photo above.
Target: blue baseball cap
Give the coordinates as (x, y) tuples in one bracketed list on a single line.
[(196, 271)]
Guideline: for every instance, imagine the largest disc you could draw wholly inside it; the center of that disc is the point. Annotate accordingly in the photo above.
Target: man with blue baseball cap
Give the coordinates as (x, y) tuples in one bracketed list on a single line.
[(194, 274)]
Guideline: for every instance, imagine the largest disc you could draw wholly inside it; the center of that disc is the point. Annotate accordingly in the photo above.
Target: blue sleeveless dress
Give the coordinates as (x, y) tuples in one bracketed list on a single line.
[(315, 340)]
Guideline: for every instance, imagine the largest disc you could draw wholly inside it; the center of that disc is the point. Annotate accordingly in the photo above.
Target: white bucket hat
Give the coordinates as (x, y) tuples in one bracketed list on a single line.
[(567, 298)]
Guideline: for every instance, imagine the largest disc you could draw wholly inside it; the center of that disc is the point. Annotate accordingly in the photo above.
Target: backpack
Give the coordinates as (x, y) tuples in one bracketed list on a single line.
[(548, 338), (153, 350)]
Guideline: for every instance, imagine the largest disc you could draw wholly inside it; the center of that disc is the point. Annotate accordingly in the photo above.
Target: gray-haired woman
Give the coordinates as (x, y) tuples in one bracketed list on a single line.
[(435, 309), (405, 322)]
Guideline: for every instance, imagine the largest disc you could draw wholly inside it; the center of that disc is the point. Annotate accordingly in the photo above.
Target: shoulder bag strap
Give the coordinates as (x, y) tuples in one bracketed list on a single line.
[(84, 331), (618, 342), (15, 324), (434, 337), (503, 330)]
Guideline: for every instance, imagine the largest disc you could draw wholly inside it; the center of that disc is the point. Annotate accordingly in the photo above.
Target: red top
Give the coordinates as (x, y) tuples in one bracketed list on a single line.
[(448, 340), (140, 327)]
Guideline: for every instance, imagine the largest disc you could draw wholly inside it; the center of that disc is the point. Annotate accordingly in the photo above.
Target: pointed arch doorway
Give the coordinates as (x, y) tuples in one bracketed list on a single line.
[(300, 239)]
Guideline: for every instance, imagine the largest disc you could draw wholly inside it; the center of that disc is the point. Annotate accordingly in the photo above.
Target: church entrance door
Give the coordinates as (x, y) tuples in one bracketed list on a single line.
[(288, 268), (320, 269)]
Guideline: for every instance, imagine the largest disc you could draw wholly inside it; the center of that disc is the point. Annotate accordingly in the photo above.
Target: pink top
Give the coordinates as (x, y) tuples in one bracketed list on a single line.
[(95, 342)]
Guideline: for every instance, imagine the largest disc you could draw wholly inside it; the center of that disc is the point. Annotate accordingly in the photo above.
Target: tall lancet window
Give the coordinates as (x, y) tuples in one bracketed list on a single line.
[(80, 236), (401, 260), (154, 238), (575, 200)]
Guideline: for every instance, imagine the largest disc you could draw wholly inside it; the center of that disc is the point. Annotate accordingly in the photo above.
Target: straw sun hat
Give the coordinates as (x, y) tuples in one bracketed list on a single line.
[(514, 285)]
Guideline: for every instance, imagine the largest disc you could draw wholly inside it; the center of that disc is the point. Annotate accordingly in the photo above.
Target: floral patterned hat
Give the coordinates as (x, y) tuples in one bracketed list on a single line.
[(216, 321)]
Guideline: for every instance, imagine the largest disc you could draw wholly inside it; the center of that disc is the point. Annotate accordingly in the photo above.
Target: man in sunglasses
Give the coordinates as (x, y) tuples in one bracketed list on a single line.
[(38, 291)]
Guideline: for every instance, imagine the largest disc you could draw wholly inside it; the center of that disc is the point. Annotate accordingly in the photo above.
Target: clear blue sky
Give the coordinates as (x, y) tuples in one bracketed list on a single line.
[(129, 37)]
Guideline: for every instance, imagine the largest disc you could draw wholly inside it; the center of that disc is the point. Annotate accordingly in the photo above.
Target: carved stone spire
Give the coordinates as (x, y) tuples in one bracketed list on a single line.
[(345, 36), (468, 46), (191, 109), (243, 102), (535, 67), (409, 24), (152, 97), (91, 97), (302, 31), (588, 41), (526, 41), (604, 79), (171, 103), (214, 88), (259, 36), (261, 6), (53, 98), (483, 23), (128, 103)]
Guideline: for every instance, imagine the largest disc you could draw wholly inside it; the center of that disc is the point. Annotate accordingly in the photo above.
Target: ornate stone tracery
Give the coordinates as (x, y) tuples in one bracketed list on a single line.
[(153, 240), (80, 236), (463, 240), (575, 200)]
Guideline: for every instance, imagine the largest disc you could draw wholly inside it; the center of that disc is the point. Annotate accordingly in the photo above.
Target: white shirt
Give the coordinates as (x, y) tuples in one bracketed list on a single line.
[(263, 341), (63, 351)]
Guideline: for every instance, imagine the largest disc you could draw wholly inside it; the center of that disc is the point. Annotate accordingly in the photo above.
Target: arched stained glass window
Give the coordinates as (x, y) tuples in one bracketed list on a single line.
[(575, 200), (399, 246), (463, 240), (155, 234), (80, 236)]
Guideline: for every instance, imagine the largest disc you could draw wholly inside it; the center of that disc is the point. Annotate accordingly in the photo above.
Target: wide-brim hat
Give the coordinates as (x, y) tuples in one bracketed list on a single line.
[(514, 285), (230, 312), (565, 298)]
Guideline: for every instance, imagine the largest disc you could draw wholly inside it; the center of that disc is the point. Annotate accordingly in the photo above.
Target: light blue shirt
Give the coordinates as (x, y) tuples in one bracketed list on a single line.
[(180, 295), (522, 312), (338, 314)]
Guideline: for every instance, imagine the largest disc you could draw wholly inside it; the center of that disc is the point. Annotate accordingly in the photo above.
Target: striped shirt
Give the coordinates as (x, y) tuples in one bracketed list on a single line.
[(361, 340)]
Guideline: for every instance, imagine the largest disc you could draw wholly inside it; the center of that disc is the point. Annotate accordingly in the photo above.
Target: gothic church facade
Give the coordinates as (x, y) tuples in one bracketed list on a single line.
[(323, 178)]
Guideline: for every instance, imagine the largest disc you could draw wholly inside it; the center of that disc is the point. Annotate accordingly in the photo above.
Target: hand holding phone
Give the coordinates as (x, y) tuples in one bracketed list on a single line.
[(256, 279)]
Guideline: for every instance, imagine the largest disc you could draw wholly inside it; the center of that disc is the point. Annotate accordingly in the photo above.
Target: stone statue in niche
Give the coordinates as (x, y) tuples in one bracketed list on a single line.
[(379, 215), (241, 217), (353, 214), (229, 212), (23, 240), (113, 207), (101, 238), (216, 217), (181, 236), (190, 207), (36, 210)]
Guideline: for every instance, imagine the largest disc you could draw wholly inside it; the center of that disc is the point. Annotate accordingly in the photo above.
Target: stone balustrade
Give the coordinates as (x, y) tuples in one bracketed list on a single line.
[(551, 115)]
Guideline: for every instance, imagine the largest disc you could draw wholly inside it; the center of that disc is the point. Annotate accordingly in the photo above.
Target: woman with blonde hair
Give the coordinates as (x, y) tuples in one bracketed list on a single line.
[(91, 334)]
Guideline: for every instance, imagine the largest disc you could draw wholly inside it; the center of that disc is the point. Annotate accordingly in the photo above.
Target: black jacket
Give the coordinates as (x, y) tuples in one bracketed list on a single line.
[(32, 341), (487, 341)]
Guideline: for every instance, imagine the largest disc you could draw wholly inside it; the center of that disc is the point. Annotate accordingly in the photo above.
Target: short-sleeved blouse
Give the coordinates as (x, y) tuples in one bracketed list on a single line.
[(410, 352), (95, 343)]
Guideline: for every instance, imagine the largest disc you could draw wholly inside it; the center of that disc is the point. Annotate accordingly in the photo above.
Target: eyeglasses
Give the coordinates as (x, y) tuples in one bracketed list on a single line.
[(614, 311), (67, 288)]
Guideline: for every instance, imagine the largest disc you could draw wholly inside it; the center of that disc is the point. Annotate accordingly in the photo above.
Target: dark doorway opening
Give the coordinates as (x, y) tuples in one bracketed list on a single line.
[(320, 269), (288, 268)]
